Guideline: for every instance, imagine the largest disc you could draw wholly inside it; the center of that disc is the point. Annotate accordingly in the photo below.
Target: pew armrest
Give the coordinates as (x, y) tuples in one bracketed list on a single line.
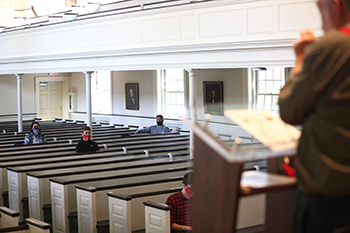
[(157, 205), (9, 218), (38, 224), (9, 212)]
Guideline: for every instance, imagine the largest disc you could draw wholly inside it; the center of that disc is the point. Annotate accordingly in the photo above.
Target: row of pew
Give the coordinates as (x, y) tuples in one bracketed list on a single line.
[(76, 192), (137, 155)]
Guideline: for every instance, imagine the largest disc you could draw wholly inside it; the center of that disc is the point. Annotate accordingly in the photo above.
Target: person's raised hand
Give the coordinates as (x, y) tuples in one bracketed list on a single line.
[(307, 37)]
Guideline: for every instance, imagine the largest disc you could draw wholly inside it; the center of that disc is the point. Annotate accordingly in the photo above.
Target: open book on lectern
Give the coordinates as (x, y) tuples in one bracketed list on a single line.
[(269, 129)]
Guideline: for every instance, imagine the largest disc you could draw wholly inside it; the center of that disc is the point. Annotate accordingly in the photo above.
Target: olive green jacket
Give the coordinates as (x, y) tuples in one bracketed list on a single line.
[(319, 99)]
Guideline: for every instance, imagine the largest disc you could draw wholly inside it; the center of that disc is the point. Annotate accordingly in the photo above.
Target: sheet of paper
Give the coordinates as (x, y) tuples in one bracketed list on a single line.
[(269, 129)]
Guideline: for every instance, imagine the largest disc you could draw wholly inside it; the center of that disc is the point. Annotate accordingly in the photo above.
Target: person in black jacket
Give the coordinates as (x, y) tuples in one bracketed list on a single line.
[(85, 144)]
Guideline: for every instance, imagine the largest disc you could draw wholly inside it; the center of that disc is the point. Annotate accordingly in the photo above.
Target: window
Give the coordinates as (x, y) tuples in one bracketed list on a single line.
[(268, 83), (171, 91), (101, 92)]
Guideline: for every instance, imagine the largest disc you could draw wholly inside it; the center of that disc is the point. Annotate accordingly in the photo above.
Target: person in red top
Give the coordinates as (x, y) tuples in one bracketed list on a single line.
[(181, 203)]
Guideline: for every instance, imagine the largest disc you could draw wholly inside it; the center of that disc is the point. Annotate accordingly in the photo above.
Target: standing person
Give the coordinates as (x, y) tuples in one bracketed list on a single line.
[(159, 128), (181, 203), (35, 135), (86, 144), (317, 96)]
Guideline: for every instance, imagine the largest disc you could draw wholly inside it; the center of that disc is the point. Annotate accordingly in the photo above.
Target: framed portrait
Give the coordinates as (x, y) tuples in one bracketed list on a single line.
[(71, 2), (132, 96), (213, 97)]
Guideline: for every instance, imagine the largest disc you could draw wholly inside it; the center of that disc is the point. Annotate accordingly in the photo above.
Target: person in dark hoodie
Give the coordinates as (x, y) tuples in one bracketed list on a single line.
[(35, 135), (86, 144)]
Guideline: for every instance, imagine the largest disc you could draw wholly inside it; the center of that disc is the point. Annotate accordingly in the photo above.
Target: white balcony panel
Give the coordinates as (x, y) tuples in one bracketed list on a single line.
[(84, 40), (5, 46), (188, 28), (190, 35), (292, 16), (159, 29), (130, 32), (65, 40), (260, 20), (102, 35), (220, 23)]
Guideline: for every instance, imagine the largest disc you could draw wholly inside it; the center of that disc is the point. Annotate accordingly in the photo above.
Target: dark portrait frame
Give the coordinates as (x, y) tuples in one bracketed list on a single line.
[(216, 108), (129, 104)]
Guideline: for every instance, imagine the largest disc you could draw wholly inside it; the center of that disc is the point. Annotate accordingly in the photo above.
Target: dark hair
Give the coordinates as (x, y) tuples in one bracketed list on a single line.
[(187, 178), (347, 4), (33, 123), (85, 128), (159, 116)]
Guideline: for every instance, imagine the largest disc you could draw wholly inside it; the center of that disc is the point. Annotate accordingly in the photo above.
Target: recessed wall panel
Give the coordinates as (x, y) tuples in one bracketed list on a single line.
[(187, 27), (298, 16), (64, 40), (104, 35), (31, 43), (130, 32), (220, 23), (5, 48), (260, 20), (44, 42), (162, 29), (83, 35)]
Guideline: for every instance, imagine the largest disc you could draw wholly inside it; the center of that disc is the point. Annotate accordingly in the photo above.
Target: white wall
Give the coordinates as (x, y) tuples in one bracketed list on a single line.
[(235, 97), (8, 90), (147, 92), (5, 12), (77, 84)]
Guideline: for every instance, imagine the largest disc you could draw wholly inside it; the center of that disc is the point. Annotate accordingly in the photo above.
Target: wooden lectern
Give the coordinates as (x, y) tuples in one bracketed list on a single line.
[(219, 182)]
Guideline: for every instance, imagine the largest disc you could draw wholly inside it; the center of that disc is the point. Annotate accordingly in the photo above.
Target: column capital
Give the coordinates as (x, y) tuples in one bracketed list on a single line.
[(193, 71), (88, 73), (19, 75)]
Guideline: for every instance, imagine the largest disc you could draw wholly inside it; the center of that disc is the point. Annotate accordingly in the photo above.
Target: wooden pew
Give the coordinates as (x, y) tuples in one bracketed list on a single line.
[(38, 182), (16, 175), (68, 135), (91, 193), (9, 218), (126, 212), (9, 223), (72, 156), (31, 226), (157, 217)]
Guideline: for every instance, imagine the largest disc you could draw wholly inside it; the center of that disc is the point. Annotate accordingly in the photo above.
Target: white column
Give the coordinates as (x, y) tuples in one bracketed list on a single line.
[(19, 102), (88, 98), (192, 103)]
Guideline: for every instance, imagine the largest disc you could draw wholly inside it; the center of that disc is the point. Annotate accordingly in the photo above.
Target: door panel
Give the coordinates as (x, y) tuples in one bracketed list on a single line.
[(51, 100)]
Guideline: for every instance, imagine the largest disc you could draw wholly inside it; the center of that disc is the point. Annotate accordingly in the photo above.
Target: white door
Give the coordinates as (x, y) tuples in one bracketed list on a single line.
[(50, 100)]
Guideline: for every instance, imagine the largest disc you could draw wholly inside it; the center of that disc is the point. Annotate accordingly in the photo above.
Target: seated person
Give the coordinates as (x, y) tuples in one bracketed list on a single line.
[(159, 128), (181, 203), (35, 135), (86, 144)]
